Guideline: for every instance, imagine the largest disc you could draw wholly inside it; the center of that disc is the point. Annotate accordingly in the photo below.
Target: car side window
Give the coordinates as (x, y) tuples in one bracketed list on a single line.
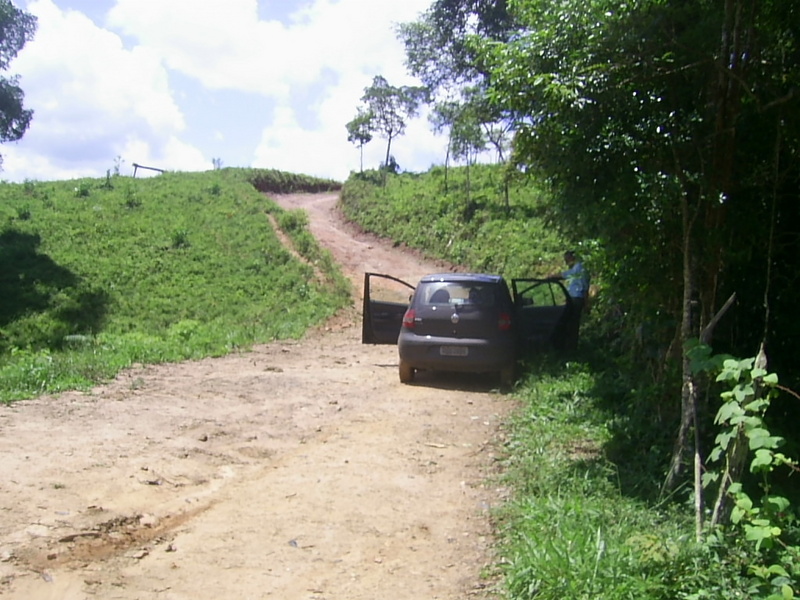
[(544, 294)]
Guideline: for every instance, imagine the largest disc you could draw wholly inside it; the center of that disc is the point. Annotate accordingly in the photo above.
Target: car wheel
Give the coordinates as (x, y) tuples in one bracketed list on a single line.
[(507, 376), (406, 372)]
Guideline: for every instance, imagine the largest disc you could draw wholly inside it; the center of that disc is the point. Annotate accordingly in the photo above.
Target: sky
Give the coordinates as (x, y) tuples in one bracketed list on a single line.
[(175, 84)]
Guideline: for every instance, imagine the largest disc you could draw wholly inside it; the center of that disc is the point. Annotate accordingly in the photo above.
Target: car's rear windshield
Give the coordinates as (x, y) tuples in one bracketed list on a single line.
[(478, 294)]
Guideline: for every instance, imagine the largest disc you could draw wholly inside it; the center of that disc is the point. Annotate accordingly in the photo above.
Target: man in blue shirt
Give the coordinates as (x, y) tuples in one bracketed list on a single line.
[(576, 280)]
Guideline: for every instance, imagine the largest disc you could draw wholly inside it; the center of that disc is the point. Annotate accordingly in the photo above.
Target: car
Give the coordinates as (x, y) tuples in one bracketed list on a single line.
[(465, 322)]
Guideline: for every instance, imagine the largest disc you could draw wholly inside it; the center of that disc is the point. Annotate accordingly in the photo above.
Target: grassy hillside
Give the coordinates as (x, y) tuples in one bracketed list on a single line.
[(102, 273), (462, 217)]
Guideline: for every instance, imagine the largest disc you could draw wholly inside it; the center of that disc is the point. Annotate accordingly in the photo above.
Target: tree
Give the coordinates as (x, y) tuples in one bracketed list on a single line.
[(465, 139), (442, 118), (669, 132), (390, 107), (437, 48), (440, 53), (16, 28), (359, 132)]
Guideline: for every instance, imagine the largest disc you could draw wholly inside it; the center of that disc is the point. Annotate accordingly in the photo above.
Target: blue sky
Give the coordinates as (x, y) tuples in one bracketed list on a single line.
[(176, 83)]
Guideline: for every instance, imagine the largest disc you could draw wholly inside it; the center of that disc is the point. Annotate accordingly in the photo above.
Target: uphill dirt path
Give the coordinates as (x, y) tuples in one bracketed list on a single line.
[(298, 470)]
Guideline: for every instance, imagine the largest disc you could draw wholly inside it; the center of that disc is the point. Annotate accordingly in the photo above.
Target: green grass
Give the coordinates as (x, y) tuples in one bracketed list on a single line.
[(467, 224), (574, 529), (568, 532), (102, 274)]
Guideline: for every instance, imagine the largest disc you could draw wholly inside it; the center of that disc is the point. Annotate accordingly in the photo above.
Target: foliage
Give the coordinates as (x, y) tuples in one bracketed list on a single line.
[(149, 270), (16, 29), (271, 181), (571, 529), (436, 45), (575, 527), (386, 110), (438, 52), (669, 135), (765, 527), (359, 132), (465, 137)]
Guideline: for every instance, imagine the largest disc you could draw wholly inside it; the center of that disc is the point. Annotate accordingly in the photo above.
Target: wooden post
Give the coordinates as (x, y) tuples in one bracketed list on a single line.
[(137, 167)]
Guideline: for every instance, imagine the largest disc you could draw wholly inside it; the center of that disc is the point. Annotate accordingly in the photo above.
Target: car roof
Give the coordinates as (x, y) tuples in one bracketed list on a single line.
[(462, 278)]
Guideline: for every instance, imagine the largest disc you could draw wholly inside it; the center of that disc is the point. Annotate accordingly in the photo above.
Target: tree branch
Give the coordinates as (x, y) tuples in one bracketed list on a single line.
[(705, 335)]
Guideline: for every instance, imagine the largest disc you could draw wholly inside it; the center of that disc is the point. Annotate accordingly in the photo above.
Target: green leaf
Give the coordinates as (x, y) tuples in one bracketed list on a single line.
[(757, 406), (744, 502), (760, 534), (762, 460), (761, 438), (743, 391), (777, 570), (744, 419), (745, 364), (700, 357), (777, 504), (727, 411), (757, 533), (723, 439), (781, 459)]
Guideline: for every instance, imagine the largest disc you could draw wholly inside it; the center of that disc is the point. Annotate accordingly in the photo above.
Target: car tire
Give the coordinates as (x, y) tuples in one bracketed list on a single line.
[(406, 372), (507, 376)]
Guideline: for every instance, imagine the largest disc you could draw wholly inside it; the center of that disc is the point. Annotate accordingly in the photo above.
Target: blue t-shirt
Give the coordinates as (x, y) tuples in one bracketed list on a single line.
[(577, 280)]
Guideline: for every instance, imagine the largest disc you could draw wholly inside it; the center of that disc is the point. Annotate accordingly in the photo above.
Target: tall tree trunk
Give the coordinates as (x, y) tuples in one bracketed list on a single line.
[(688, 383), (447, 164), (735, 53)]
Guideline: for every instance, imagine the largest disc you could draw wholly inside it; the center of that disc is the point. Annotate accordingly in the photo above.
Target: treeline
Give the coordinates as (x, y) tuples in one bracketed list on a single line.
[(272, 181)]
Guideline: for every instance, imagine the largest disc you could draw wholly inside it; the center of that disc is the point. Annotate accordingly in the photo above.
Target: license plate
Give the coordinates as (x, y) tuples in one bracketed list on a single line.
[(453, 350)]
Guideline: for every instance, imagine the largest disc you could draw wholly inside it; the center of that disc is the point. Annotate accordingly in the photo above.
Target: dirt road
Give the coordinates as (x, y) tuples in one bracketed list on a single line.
[(300, 470)]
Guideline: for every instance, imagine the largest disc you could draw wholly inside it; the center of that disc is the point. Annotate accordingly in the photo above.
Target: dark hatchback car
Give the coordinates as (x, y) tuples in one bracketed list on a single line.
[(465, 322)]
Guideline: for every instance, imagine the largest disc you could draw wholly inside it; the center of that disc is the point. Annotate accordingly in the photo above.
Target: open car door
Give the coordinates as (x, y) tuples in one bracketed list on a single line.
[(543, 313), (386, 300)]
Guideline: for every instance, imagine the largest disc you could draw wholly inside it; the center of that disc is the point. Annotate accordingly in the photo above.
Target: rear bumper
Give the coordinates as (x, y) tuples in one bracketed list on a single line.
[(425, 352)]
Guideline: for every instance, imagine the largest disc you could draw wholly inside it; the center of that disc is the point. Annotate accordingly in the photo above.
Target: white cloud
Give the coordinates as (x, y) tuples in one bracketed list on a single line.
[(93, 100), (137, 86), (223, 44), (219, 42), (319, 65)]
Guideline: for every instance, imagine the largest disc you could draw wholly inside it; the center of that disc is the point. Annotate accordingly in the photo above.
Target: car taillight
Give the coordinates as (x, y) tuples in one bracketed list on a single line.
[(504, 322), (408, 319)]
